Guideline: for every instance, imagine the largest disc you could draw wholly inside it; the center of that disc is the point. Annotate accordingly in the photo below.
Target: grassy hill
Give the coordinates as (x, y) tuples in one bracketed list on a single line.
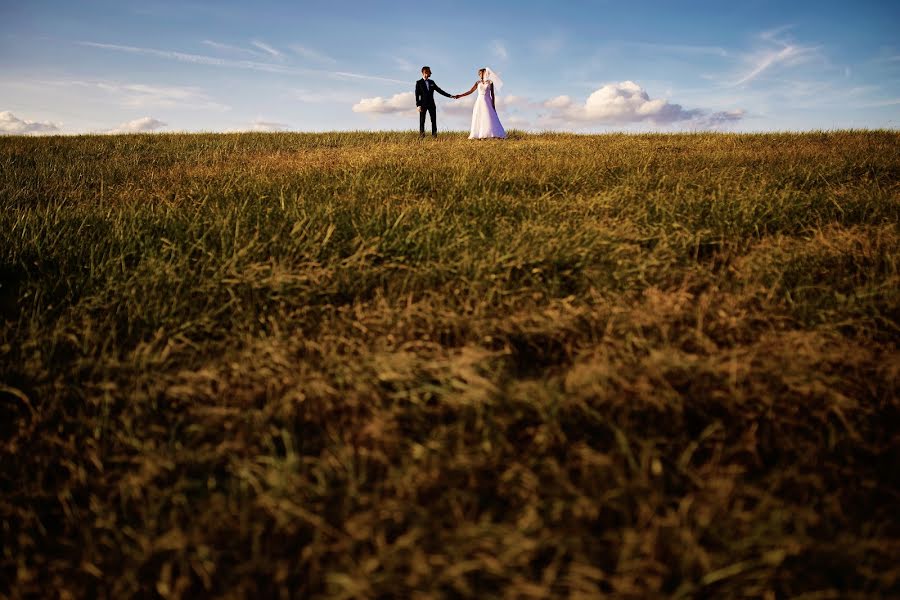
[(358, 365)]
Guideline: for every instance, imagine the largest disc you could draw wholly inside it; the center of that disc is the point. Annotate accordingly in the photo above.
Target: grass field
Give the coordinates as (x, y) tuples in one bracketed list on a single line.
[(357, 365)]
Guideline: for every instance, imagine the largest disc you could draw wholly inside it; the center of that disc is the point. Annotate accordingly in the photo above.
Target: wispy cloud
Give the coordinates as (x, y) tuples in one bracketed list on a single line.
[(348, 75), (774, 34), (13, 125), (322, 96), (688, 49), (268, 49), (403, 64), (232, 49), (141, 95), (200, 59), (784, 53), (881, 103), (498, 49), (142, 125), (549, 45), (310, 54), (767, 60)]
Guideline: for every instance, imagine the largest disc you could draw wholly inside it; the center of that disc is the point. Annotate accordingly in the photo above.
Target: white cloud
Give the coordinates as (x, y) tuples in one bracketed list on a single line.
[(267, 49), (12, 125), (142, 125), (499, 50), (618, 103), (310, 54), (397, 104)]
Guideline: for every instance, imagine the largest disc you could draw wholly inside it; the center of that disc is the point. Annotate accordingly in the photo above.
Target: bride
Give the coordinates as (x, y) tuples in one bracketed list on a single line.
[(485, 122)]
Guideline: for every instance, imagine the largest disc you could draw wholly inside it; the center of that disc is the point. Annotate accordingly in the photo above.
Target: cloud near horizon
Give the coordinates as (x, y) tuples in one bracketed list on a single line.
[(623, 103), (142, 125), (404, 102), (721, 118), (13, 125), (617, 104), (627, 103), (261, 125)]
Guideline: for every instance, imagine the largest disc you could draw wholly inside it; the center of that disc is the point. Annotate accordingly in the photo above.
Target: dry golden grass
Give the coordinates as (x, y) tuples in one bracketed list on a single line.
[(357, 365)]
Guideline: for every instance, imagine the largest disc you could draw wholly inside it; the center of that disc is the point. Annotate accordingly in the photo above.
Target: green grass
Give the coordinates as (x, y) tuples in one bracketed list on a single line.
[(357, 365)]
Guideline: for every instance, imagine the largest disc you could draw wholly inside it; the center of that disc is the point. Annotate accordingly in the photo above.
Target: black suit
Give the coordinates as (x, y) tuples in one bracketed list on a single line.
[(425, 90)]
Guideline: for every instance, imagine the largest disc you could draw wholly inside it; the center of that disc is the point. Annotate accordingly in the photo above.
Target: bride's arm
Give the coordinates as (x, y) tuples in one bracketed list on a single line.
[(467, 93)]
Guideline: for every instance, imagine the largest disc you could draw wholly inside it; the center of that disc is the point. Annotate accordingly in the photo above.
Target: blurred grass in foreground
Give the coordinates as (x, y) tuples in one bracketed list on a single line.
[(357, 365)]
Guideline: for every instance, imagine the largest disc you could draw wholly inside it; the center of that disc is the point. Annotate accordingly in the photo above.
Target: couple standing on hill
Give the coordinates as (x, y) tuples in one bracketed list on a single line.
[(485, 122)]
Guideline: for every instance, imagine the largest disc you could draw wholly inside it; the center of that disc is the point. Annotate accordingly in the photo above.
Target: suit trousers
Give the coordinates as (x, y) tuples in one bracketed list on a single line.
[(431, 110)]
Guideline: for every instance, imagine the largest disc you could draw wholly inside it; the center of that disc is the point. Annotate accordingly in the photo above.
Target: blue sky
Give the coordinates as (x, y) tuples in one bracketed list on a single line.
[(758, 65)]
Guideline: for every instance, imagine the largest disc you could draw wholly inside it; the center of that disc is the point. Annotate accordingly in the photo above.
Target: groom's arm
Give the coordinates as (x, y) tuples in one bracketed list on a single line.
[(441, 92), (418, 95)]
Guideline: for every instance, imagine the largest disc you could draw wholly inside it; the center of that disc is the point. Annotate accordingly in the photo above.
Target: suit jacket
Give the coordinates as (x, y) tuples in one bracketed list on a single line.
[(425, 93)]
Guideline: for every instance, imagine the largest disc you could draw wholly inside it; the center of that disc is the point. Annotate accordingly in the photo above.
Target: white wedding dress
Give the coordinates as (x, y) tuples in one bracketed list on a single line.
[(485, 122)]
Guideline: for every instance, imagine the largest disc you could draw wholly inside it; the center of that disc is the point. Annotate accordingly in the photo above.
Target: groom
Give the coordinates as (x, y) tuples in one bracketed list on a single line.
[(425, 89)]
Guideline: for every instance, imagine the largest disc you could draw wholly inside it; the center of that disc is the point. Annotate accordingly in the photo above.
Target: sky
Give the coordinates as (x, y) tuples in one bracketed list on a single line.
[(108, 66)]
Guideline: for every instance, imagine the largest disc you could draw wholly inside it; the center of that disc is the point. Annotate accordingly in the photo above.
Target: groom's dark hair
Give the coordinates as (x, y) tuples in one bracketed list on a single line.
[(426, 67)]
